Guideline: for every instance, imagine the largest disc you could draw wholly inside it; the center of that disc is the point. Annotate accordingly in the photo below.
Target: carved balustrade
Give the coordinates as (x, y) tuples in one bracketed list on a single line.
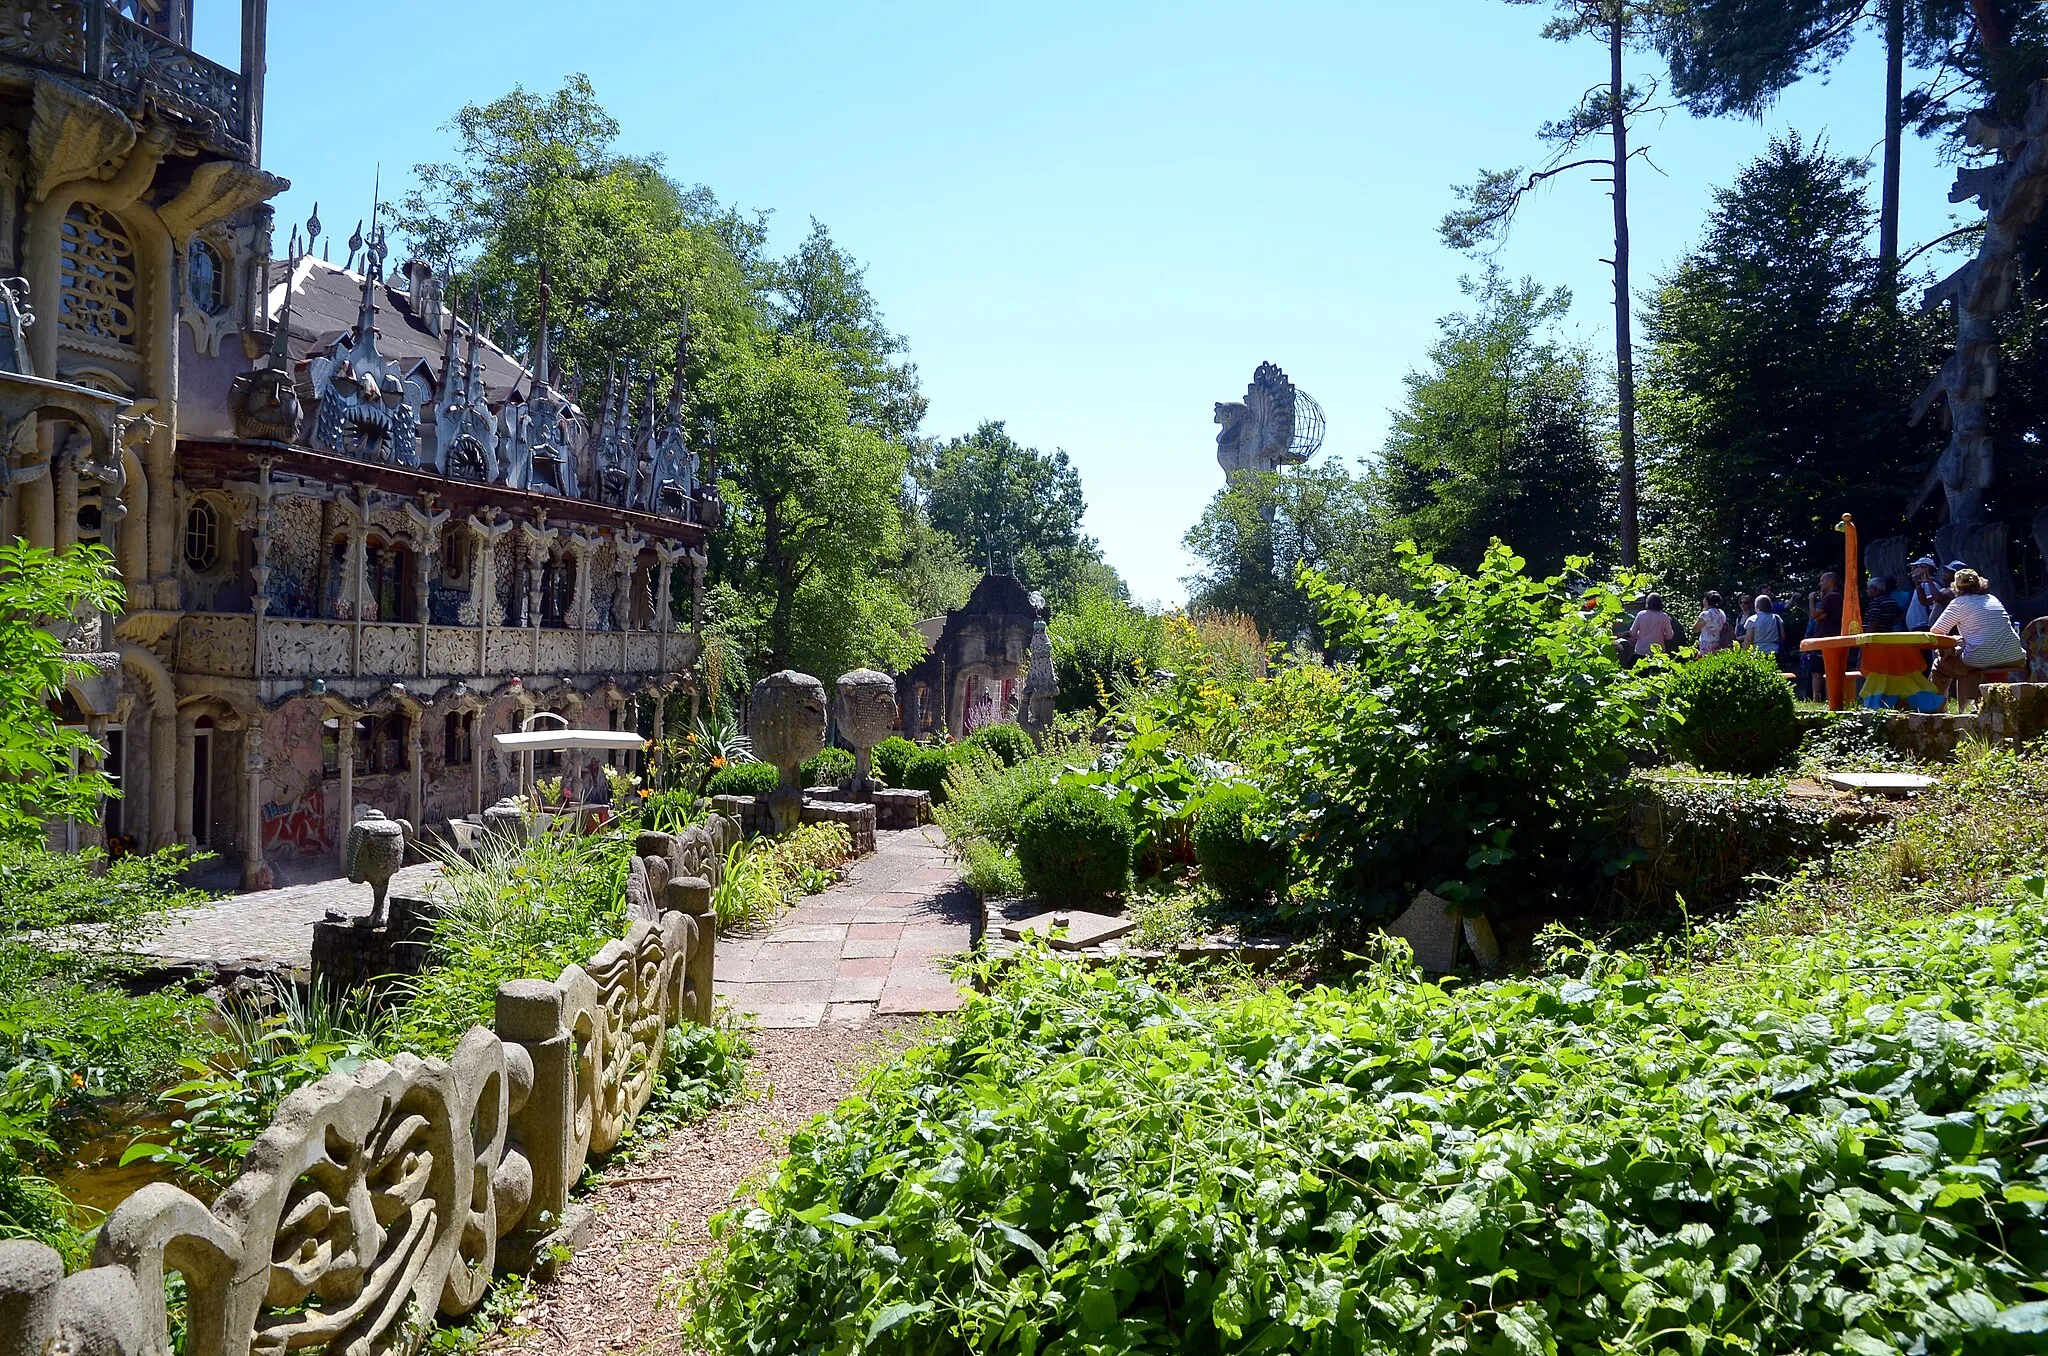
[(224, 644), (93, 40), (381, 1197)]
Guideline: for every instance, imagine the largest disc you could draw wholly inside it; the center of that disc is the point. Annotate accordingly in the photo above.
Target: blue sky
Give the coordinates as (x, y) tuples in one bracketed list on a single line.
[(1090, 220)]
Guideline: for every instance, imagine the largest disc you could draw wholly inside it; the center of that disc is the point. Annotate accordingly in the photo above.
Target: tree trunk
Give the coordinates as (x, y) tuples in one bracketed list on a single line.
[(1624, 359), (1894, 126)]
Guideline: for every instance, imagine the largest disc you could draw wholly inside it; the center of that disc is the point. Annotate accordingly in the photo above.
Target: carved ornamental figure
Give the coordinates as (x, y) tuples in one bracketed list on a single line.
[(364, 414), (374, 853), (787, 724), (866, 712), (1275, 425), (1041, 687)]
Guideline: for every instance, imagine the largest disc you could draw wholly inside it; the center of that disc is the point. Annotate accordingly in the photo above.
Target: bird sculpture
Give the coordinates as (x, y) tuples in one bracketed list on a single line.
[(375, 851)]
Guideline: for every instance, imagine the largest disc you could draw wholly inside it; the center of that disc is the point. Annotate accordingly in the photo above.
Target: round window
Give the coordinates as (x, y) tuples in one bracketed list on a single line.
[(202, 536), (206, 278)]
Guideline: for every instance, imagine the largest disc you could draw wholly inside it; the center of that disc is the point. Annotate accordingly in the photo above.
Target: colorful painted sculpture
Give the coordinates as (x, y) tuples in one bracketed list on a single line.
[(1894, 671)]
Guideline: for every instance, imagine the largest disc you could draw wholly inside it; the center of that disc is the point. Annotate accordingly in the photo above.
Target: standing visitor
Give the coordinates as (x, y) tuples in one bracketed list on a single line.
[(1989, 638), (1653, 628), (1713, 629), (1766, 629), (1823, 618), (1882, 612), (1927, 600)]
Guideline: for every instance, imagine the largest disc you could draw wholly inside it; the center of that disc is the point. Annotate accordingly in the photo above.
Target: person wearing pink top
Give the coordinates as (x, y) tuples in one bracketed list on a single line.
[(1653, 628)]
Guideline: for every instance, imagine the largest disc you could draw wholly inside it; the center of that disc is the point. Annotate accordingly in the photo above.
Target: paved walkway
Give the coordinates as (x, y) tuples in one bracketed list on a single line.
[(871, 945), (269, 929)]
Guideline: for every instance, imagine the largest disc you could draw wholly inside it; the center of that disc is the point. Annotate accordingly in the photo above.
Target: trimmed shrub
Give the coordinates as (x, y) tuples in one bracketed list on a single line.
[(1731, 712), (831, 767), (926, 771), (1074, 846), (743, 779), (1007, 742), (1239, 863), (891, 755)]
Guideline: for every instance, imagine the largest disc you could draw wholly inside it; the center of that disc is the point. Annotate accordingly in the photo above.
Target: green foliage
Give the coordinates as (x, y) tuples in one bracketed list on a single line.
[(1849, 740), (926, 770), (1731, 711), (1777, 388), (991, 870), (1503, 436), (1829, 1147), (41, 589), (1475, 747), (891, 756), (1097, 643), (701, 1067), (746, 897), (1010, 507), (831, 766), (985, 797), (518, 911), (1239, 860), (1007, 743), (743, 779), (1262, 527), (764, 876), (1074, 845), (1703, 845)]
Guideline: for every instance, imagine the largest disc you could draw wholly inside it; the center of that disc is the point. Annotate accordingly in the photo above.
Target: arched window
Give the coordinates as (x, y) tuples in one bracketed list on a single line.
[(455, 556), (388, 580), (97, 293), (202, 536), (206, 278)]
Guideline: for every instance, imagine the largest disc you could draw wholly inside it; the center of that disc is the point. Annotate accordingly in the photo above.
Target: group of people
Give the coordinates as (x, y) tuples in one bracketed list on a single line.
[(1954, 600)]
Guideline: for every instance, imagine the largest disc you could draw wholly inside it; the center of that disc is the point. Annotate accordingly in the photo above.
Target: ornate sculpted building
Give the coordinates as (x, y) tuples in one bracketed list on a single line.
[(357, 538)]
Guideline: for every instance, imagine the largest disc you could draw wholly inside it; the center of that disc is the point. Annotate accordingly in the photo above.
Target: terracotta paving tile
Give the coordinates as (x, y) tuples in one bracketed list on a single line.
[(857, 988), (772, 969), (870, 932), (849, 1014), (855, 966), (790, 935), (944, 998), (879, 915), (779, 952), (809, 914), (862, 948)]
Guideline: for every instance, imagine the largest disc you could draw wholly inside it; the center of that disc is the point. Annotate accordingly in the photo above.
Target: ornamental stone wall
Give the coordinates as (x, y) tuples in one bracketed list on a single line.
[(382, 1199)]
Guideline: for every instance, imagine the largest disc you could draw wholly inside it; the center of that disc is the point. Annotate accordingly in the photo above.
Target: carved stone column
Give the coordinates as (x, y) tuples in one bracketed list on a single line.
[(345, 740), (416, 757), (64, 475), (660, 714), (259, 581), (426, 530), (187, 738), (478, 733), (698, 560), (92, 832), (163, 777), (255, 876)]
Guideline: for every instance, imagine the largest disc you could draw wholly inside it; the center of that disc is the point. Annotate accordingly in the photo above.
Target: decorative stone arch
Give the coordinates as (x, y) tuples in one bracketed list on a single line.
[(159, 775)]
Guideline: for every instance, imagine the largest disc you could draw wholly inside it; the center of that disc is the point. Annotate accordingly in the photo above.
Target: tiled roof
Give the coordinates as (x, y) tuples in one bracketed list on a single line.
[(326, 300)]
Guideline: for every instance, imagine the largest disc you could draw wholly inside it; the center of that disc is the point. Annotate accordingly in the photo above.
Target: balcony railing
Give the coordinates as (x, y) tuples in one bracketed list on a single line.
[(228, 645), (91, 39)]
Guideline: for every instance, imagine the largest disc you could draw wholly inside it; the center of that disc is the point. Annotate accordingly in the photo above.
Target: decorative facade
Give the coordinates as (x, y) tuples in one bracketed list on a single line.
[(358, 538), (976, 661)]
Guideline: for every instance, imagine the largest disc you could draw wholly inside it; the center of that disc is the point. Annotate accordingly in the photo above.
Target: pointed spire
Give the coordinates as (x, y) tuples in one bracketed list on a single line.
[(469, 375), (450, 335), (355, 243), (540, 342), (280, 336), (675, 390)]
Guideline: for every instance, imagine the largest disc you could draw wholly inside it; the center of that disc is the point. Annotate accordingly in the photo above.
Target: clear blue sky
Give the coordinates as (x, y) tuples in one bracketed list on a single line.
[(1090, 220)]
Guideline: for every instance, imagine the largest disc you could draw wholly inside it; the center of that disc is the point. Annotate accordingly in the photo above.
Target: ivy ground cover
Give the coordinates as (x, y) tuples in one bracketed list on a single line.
[(1837, 1146)]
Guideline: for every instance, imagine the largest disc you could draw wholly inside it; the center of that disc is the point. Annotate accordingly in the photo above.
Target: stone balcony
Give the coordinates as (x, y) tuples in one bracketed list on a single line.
[(226, 645)]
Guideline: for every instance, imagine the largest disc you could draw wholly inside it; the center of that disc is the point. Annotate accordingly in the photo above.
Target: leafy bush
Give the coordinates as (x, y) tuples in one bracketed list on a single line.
[(926, 771), (985, 799), (1476, 746), (1007, 743), (1731, 711), (831, 766), (991, 871), (1239, 862), (890, 757), (1828, 1149), (743, 779), (1097, 644), (39, 780), (1706, 843), (1074, 846)]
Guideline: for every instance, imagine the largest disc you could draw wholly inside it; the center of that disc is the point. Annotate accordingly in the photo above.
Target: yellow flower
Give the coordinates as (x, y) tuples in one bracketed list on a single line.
[(718, 762), (646, 791), (691, 738), (78, 1080)]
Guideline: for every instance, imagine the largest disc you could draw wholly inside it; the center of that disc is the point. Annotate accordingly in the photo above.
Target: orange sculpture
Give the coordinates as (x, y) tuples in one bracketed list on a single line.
[(1891, 657)]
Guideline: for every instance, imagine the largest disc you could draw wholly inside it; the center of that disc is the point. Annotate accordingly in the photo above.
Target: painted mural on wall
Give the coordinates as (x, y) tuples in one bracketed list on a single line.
[(296, 815)]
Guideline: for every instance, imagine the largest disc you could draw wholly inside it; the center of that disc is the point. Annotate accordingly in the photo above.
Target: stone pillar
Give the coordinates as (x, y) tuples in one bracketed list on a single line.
[(477, 735), (187, 721), (38, 511), (426, 564), (416, 757), (698, 560), (64, 514), (163, 777), (254, 874), (660, 714), (664, 589), (259, 575), (91, 833), (345, 739)]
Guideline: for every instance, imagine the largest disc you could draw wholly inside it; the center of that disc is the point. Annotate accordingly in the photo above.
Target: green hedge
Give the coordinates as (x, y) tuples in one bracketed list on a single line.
[(926, 770), (1074, 845), (1237, 859), (1731, 711), (890, 757), (1008, 743), (1831, 1148), (743, 779), (829, 768)]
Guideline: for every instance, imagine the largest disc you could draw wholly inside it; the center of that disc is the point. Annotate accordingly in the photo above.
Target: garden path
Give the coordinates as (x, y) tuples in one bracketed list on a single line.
[(268, 929), (870, 946)]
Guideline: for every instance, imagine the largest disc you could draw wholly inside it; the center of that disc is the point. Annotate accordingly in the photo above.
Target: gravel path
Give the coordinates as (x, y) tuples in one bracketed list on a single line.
[(651, 1232)]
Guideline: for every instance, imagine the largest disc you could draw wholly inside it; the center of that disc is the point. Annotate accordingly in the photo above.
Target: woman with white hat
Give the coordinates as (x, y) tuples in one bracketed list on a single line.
[(1928, 596)]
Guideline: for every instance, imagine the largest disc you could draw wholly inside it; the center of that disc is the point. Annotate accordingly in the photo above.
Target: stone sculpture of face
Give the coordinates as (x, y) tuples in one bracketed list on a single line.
[(788, 718), (866, 707)]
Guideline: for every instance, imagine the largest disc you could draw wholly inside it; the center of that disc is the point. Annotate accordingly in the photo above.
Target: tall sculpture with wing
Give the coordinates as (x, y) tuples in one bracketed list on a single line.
[(1275, 425)]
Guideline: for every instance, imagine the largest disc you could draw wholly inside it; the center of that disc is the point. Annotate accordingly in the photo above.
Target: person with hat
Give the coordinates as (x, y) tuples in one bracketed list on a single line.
[(1928, 599), (1990, 641)]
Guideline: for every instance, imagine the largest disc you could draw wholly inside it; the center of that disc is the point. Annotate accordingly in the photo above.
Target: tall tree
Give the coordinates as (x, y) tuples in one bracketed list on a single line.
[(814, 520), (820, 294), (1603, 112), (1502, 436), (1778, 383), (1009, 505), (1263, 525)]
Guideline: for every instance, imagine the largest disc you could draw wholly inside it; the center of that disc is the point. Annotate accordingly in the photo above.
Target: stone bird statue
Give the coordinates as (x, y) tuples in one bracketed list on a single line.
[(375, 851)]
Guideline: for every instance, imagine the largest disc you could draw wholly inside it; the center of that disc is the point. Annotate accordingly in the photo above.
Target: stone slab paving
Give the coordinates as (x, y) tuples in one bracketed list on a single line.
[(874, 944), (270, 929)]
